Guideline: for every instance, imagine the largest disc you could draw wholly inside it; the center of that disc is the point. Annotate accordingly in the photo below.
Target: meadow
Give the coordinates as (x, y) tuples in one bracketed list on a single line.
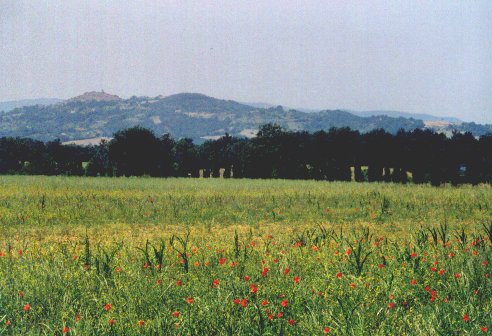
[(144, 256)]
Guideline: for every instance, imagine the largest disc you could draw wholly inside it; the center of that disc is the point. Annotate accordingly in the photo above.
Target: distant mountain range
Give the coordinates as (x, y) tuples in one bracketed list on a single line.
[(393, 114), (193, 115)]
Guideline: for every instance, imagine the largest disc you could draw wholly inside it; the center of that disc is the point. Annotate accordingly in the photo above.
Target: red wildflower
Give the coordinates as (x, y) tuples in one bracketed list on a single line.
[(466, 318), (21, 294), (297, 279), (348, 251), (8, 323), (286, 271), (66, 330), (175, 313), (413, 282), (413, 255), (280, 314), (441, 272), (189, 300), (146, 265), (457, 275), (381, 266), (253, 288), (326, 330), (391, 305), (179, 283), (141, 323), (284, 303), (236, 301), (222, 261), (291, 322), (246, 278), (264, 303), (339, 275), (215, 283), (112, 322), (77, 318), (265, 271), (244, 303), (484, 263), (484, 329), (352, 285), (158, 282), (108, 306), (27, 307)]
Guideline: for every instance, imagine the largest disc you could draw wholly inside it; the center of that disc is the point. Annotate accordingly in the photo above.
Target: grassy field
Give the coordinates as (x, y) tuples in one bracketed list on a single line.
[(95, 256)]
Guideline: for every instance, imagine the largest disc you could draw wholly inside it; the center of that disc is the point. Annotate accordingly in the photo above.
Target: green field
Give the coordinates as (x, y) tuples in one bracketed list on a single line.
[(379, 259)]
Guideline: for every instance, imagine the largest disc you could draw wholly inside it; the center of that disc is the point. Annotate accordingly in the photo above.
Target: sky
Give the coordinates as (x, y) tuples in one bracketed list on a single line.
[(414, 56)]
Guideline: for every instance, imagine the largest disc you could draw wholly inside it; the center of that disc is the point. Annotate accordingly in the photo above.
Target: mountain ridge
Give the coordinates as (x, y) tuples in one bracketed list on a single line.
[(195, 115)]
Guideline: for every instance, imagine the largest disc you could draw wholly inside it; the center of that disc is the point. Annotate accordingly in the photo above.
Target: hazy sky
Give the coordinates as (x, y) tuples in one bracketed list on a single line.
[(416, 56)]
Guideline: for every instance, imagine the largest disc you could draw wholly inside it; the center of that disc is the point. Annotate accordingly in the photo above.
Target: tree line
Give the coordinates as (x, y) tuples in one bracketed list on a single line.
[(340, 154)]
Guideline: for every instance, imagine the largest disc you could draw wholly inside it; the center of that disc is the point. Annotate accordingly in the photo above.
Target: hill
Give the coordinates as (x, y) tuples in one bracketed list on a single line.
[(10, 105), (98, 114)]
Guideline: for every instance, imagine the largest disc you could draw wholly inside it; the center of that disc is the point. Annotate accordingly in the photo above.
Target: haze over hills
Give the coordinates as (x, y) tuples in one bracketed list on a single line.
[(193, 115)]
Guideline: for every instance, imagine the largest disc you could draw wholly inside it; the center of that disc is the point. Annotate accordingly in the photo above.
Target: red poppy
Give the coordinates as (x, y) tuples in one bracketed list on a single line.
[(291, 322), (381, 266), (77, 318), (244, 303), (253, 288), (391, 305), (457, 275), (112, 322), (236, 301), (179, 283), (27, 307), (222, 261), (484, 329), (280, 314), (297, 279), (270, 316), (66, 330), (108, 306), (265, 271), (326, 330), (264, 303), (215, 283), (413, 282), (284, 303), (176, 313), (246, 278), (286, 270), (21, 294), (8, 323), (141, 323), (348, 251), (352, 285), (413, 255), (441, 272), (466, 318), (189, 300), (339, 275), (158, 281)]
